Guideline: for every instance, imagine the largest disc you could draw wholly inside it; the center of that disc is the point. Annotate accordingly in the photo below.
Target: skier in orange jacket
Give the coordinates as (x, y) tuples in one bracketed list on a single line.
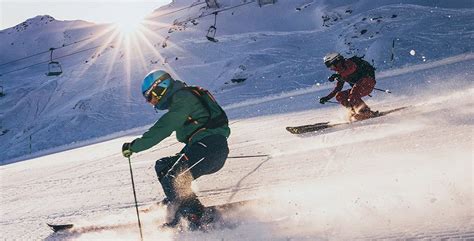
[(361, 77)]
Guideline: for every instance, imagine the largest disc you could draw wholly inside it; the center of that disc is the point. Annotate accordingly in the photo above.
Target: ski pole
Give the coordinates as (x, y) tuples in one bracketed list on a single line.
[(386, 91), (263, 155), (135, 196)]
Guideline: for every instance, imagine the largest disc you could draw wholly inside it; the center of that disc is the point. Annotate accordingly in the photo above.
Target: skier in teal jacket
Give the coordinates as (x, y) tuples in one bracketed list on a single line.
[(201, 124)]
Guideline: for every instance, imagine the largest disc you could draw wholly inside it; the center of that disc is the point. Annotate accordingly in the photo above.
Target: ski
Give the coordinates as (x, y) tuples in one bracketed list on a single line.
[(324, 125), (60, 227), (220, 208), (312, 128)]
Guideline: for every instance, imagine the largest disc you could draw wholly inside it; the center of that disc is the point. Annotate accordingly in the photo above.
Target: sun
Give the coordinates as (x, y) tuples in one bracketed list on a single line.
[(128, 25), (126, 19)]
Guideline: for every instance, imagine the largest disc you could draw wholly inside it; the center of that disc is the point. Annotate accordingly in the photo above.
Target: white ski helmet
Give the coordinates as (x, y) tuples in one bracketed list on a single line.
[(332, 59)]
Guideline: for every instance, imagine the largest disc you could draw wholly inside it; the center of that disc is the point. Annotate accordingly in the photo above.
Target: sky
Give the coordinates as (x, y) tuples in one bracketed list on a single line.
[(13, 12)]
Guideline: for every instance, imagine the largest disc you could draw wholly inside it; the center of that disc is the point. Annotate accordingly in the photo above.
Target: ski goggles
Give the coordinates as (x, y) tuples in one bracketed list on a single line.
[(333, 63), (158, 89)]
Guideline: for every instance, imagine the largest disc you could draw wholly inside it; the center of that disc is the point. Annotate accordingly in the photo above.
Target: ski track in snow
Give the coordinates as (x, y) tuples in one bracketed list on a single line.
[(405, 175)]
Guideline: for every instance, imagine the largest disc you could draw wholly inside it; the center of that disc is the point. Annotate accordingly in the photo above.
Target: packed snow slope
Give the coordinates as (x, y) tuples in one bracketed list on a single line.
[(404, 176), (262, 52)]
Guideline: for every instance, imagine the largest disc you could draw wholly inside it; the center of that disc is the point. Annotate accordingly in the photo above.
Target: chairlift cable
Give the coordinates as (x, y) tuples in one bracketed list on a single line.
[(48, 61), (24, 58), (33, 55), (205, 15), (178, 10), (78, 41), (214, 12), (43, 62)]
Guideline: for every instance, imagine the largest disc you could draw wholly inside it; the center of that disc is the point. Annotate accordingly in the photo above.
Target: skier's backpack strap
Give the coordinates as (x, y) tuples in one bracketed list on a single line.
[(210, 104), (364, 68)]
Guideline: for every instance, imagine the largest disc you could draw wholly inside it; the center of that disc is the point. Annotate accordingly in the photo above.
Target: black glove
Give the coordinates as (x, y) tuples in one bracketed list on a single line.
[(333, 77), (323, 100), (126, 151)]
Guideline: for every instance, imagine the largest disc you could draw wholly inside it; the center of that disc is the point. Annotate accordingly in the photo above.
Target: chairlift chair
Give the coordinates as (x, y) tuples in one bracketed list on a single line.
[(265, 2), (1, 91), (211, 32), (54, 67), (212, 4)]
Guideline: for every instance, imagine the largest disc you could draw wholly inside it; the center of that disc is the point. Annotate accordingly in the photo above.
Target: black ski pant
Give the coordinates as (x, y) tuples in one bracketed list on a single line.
[(176, 173)]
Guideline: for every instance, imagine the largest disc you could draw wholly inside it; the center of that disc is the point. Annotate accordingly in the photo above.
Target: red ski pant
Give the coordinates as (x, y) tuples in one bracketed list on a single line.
[(353, 97)]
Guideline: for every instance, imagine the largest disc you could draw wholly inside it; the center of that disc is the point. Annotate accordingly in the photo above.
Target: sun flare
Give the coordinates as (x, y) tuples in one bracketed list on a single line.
[(127, 20), (128, 26)]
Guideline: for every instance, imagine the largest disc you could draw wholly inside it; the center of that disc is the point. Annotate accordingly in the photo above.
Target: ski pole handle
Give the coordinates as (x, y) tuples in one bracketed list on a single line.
[(386, 91)]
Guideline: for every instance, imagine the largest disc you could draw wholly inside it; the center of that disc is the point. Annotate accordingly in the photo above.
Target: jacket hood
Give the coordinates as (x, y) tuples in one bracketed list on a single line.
[(166, 99)]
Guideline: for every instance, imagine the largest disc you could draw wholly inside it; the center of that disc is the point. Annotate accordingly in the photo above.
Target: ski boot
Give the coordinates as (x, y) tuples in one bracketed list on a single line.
[(191, 210), (350, 113), (202, 221), (364, 113), (164, 202)]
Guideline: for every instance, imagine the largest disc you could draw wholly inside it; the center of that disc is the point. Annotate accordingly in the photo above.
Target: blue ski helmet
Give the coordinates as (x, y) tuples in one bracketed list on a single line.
[(155, 83)]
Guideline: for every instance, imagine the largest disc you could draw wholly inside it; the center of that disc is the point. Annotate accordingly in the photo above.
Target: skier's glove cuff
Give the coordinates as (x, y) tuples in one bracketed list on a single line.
[(126, 151), (333, 77)]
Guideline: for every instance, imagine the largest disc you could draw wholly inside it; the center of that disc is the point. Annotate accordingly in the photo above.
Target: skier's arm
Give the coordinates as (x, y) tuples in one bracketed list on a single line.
[(164, 127), (339, 85)]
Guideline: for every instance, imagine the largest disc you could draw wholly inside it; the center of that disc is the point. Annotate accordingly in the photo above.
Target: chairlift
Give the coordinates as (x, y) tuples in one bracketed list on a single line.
[(212, 4), (211, 32), (1, 91), (265, 2), (54, 67)]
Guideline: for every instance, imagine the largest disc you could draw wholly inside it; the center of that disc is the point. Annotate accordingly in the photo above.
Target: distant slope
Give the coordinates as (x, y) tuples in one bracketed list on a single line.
[(275, 48)]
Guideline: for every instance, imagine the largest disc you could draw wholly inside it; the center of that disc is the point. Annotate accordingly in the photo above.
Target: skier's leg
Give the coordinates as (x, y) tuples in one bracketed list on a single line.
[(214, 149), (203, 157), (177, 188), (168, 172), (343, 98), (163, 165), (362, 88)]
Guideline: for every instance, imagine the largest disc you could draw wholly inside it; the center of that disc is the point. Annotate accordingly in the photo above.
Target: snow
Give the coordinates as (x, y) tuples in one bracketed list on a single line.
[(404, 175)]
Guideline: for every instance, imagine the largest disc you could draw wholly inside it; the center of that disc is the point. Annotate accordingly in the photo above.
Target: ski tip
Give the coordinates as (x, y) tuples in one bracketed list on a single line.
[(292, 130), (60, 227)]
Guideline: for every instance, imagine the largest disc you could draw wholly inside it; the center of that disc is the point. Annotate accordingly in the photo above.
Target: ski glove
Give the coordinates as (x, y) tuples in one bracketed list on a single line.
[(323, 100), (126, 151), (333, 77)]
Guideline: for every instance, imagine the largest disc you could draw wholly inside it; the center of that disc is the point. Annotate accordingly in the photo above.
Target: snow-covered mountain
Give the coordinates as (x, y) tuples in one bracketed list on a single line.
[(407, 175), (276, 48)]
